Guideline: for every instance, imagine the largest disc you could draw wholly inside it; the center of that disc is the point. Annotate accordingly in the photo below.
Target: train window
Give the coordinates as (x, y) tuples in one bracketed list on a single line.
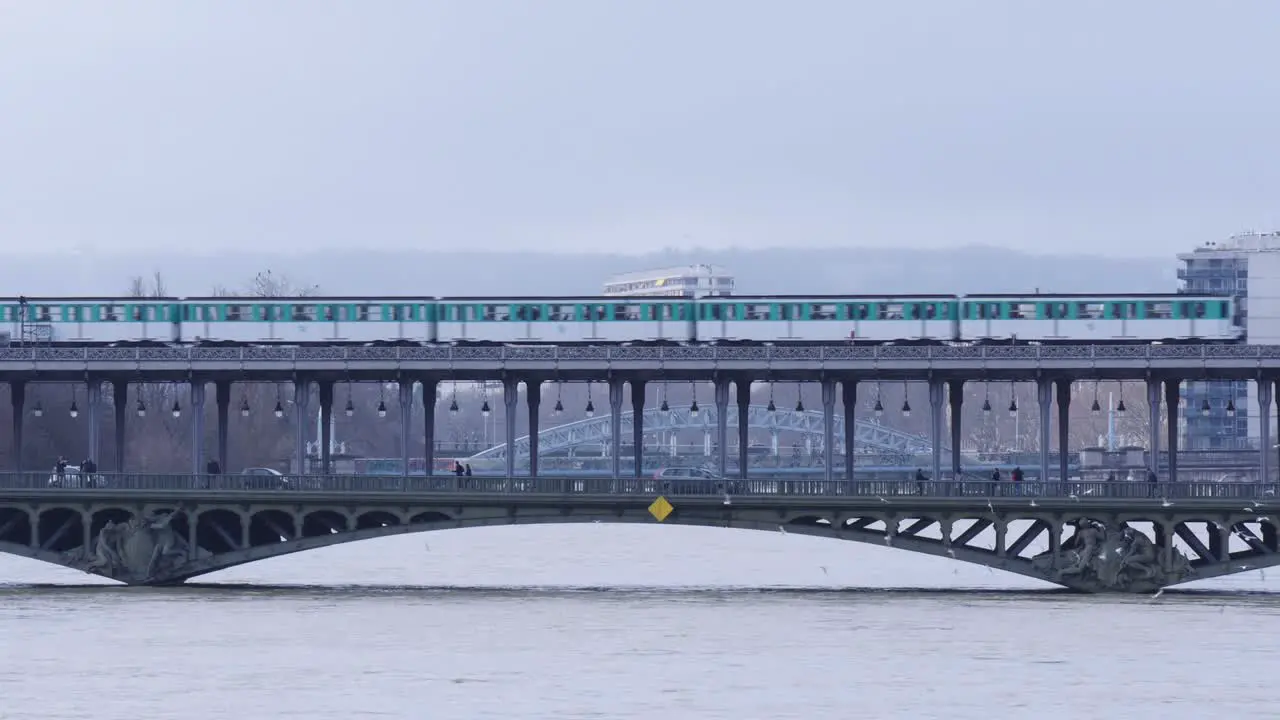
[(911, 311), (560, 313), (822, 312), (753, 311), (303, 313), (1158, 310)]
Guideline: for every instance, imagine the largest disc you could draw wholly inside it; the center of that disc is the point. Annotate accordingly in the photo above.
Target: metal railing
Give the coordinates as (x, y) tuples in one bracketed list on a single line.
[(966, 486), (606, 353)]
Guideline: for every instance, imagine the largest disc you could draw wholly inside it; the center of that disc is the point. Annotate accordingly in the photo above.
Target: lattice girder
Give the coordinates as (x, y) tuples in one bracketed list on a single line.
[(598, 430)]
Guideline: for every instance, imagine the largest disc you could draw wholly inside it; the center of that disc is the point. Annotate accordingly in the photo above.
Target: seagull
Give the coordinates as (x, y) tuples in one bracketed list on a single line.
[(951, 552), (823, 568), (1033, 504), (1158, 594), (427, 546), (1257, 504), (1164, 502), (991, 507), (1248, 509), (782, 530), (888, 540), (882, 500), (1089, 491), (1074, 496)]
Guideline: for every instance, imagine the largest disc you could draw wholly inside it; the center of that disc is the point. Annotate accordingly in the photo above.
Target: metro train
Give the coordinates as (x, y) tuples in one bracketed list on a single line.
[(756, 319)]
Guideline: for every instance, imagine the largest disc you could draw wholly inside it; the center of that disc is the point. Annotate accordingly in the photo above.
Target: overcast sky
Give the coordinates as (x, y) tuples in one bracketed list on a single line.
[(1135, 127)]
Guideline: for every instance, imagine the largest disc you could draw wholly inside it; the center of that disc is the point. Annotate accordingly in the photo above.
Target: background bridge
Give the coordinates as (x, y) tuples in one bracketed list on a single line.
[(598, 431)]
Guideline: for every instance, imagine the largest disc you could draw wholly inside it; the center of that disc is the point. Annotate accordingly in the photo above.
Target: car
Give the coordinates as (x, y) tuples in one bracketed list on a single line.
[(72, 479), (263, 478), (694, 481)]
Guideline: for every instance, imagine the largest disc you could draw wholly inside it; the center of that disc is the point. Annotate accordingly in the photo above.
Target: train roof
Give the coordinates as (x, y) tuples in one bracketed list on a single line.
[(1053, 296), (826, 298), (86, 298)]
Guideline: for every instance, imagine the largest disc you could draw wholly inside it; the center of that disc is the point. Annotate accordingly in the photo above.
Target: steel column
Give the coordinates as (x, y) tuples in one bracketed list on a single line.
[(325, 388), (935, 427), (743, 386), (1153, 429), (722, 425), (1264, 429), (222, 397), (828, 429), (1044, 396), (120, 397), (301, 399), (637, 425), (533, 399), (849, 389), (510, 403), (955, 395), (405, 396), (615, 420), (430, 388), (197, 425), (94, 408), (1171, 396), (1064, 429), (18, 400)]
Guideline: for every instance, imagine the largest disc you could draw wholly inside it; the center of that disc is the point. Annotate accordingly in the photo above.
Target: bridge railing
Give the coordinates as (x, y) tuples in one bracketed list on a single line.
[(109, 484)]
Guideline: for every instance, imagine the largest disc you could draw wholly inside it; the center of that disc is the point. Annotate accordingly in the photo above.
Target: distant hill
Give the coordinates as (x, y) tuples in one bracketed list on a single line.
[(778, 271)]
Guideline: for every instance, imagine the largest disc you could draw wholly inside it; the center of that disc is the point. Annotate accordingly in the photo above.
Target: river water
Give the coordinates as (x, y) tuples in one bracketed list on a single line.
[(620, 621)]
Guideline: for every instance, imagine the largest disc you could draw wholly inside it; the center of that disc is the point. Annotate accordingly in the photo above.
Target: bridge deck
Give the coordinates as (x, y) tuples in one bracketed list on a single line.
[(906, 495)]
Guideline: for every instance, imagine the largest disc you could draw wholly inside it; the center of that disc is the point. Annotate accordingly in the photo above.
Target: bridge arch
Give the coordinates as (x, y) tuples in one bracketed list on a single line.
[(598, 430)]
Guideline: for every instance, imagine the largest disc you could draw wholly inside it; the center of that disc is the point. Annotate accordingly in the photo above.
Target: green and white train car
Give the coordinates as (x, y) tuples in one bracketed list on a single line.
[(309, 320), (1098, 318), (564, 320), (824, 319), (92, 320)]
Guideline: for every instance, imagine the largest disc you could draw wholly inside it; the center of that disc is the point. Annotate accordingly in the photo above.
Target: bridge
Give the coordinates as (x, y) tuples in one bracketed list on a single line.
[(890, 444), (1090, 536), (839, 369)]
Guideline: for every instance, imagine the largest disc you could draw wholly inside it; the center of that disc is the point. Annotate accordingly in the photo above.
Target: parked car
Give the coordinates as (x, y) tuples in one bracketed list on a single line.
[(73, 479), (694, 481), (262, 478)]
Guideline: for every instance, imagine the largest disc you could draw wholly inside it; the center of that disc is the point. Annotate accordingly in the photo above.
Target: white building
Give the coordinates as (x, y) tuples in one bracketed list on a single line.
[(682, 281), (1246, 266)]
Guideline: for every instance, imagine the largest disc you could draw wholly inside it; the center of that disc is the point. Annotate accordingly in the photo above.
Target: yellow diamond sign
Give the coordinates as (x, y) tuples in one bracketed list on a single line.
[(660, 509)]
